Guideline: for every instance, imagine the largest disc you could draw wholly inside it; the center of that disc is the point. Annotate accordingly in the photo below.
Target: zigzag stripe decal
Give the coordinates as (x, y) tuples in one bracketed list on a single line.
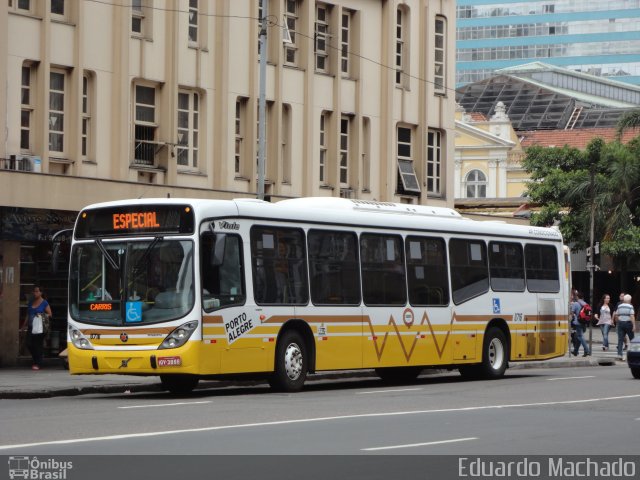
[(409, 353)]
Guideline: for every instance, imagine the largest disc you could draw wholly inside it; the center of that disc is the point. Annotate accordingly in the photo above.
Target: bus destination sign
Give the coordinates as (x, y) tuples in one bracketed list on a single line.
[(135, 219)]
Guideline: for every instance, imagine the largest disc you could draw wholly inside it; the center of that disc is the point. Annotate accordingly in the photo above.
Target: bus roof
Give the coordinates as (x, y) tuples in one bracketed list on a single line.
[(342, 211)]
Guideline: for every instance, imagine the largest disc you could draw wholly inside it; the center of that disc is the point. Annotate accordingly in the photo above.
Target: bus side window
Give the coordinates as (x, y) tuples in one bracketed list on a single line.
[(541, 263), (469, 269), (333, 265), (383, 273), (221, 270), (427, 271), (279, 266)]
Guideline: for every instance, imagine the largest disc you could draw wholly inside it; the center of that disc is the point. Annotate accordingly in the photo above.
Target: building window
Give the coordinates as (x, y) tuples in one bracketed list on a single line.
[(86, 115), (240, 125), (26, 106), (286, 144), (188, 122), (145, 125), (137, 17), (476, 182), (344, 42), (193, 21), (291, 19), (439, 80), (366, 154), (406, 171), (401, 45), (324, 123), (57, 7), (434, 162), (322, 37), (56, 111), (345, 131), (24, 5)]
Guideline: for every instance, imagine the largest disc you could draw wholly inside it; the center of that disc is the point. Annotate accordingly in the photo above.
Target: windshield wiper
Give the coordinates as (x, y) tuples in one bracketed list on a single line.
[(107, 255), (146, 253)]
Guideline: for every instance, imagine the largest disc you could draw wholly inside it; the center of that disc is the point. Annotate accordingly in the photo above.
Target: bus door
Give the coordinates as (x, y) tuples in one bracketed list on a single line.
[(543, 279), (229, 320)]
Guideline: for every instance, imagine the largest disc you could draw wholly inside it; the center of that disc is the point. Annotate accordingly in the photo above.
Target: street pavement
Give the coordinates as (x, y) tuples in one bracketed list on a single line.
[(54, 380)]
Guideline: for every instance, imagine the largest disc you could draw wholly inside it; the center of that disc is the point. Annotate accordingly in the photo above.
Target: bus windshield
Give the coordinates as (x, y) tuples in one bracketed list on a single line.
[(131, 283)]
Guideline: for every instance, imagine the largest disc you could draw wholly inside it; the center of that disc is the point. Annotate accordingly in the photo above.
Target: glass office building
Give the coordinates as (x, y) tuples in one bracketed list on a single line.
[(591, 36)]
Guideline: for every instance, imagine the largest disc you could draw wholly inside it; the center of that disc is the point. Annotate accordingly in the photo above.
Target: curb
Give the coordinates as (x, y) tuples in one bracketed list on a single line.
[(332, 375)]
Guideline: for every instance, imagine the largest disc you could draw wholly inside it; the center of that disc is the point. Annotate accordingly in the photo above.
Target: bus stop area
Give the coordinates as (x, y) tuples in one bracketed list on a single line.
[(54, 380)]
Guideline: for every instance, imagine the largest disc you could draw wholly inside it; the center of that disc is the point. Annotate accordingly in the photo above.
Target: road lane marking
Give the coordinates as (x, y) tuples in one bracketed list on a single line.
[(411, 445), (316, 419), (165, 404), (571, 378), (387, 391)]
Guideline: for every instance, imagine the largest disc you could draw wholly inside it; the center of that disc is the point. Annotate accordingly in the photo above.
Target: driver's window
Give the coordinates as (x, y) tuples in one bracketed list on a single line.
[(221, 270)]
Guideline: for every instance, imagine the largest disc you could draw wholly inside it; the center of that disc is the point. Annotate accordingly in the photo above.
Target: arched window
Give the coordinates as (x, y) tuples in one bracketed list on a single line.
[(476, 183)]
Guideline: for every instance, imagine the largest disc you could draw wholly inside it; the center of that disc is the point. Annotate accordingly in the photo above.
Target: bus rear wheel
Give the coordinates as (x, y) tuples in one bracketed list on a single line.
[(495, 355), (291, 363), (395, 375), (179, 383)]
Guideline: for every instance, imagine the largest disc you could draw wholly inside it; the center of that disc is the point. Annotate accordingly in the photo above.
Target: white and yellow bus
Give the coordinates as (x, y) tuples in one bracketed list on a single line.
[(187, 289)]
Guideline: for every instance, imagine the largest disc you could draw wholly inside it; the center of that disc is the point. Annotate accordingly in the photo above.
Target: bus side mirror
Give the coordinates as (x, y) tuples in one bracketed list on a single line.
[(217, 253), (63, 236)]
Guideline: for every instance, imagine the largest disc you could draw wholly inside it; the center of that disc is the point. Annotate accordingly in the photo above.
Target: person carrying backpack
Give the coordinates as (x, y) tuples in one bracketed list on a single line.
[(580, 325)]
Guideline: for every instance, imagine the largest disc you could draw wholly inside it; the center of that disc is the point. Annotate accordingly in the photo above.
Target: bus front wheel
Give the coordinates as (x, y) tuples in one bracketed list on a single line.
[(291, 363), (179, 383)]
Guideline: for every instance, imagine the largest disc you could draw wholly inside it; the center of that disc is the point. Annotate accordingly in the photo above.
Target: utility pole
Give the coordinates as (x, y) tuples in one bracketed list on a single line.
[(592, 264), (262, 102)]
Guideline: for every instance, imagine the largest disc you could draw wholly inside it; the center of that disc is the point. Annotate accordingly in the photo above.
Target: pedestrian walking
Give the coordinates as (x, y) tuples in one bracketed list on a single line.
[(39, 307), (624, 318), (580, 327), (621, 300), (605, 320)]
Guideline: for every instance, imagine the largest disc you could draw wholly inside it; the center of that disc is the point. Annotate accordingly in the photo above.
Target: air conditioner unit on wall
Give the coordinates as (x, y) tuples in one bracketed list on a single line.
[(23, 163)]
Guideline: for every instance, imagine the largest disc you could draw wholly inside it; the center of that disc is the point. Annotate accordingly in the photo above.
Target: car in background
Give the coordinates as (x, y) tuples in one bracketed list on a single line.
[(633, 356)]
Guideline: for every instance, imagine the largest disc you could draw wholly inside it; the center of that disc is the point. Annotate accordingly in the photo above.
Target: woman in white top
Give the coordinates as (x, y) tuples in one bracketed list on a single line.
[(605, 322)]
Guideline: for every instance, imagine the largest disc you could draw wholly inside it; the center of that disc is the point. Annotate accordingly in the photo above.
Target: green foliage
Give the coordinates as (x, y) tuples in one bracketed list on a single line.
[(625, 244), (563, 188)]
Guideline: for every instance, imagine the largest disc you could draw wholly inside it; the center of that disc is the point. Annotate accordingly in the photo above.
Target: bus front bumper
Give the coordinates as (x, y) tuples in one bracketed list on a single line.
[(134, 362)]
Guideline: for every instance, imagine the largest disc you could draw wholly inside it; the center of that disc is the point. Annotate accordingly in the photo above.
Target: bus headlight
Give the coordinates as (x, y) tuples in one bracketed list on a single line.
[(79, 340), (179, 336)]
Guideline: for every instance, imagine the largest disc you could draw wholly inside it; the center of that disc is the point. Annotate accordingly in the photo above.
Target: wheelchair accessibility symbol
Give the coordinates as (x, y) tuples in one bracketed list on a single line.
[(134, 312), (496, 305)]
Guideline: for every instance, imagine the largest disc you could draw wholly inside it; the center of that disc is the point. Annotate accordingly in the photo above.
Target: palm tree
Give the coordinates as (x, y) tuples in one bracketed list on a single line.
[(629, 120)]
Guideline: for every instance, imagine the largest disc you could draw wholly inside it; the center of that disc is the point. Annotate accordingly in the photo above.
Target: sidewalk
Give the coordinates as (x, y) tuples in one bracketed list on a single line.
[(54, 380)]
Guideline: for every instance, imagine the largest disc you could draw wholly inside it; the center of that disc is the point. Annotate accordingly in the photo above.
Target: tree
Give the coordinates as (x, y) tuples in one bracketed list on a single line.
[(629, 120), (562, 186)]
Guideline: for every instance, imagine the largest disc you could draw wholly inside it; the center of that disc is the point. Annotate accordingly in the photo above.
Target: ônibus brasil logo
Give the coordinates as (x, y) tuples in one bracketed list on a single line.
[(38, 469)]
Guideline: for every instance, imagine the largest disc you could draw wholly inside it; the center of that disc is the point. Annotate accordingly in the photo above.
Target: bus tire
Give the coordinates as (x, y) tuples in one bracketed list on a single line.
[(291, 364), (179, 383), (396, 375), (495, 354)]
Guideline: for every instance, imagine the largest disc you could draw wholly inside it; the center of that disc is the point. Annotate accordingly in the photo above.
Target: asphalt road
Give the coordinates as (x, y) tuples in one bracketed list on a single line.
[(558, 411)]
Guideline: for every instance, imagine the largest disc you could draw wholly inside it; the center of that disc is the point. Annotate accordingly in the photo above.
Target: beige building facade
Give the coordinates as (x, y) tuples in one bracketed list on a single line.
[(101, 100)]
